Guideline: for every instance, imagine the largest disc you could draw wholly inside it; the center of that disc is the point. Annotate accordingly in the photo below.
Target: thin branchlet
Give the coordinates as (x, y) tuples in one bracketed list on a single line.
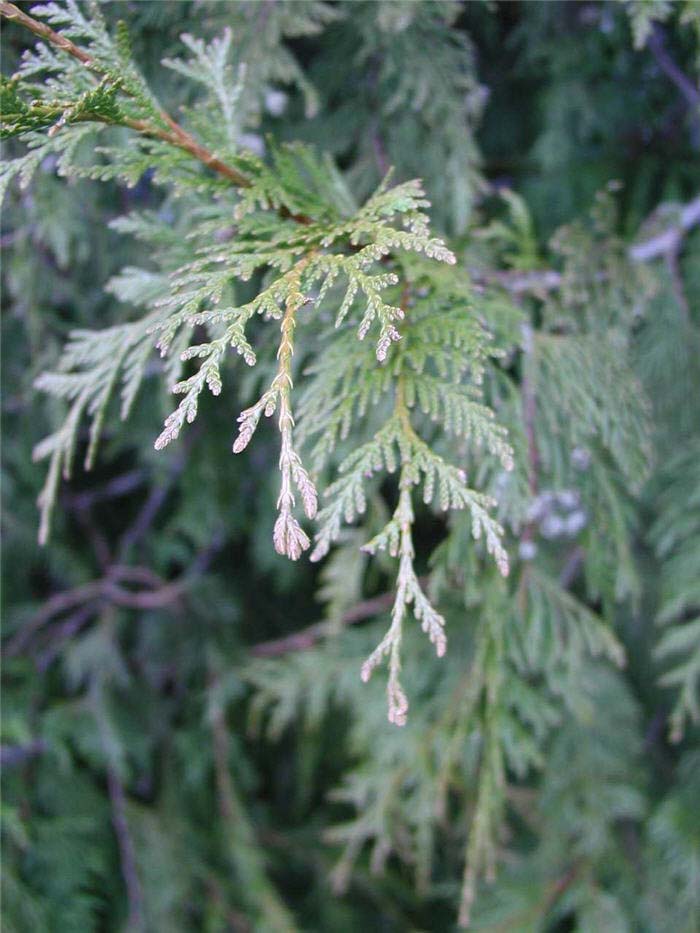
[(289, 537), (339, 245), (171, 133), (419, 413), (408, 589)]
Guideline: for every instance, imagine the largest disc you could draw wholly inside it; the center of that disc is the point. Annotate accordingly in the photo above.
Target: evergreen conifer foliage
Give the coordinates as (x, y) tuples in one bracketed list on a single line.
[(296, 235), (478, 429)]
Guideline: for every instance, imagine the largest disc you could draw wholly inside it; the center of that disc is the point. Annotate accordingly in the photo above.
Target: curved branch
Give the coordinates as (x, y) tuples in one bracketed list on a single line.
[(175, 135), (547, 280), (669, 240), (666, 62), (12, 12)]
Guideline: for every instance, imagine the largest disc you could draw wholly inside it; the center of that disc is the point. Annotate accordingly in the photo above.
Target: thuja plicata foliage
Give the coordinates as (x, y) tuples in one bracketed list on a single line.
[(407, 381), (319, 257)]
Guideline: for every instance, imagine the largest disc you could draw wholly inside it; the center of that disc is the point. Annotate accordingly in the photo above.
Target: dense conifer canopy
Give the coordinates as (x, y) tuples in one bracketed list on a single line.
[(350, 351)]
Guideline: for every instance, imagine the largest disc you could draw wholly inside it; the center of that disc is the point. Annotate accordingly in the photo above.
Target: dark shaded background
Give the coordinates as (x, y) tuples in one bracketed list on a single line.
[(159, 573)]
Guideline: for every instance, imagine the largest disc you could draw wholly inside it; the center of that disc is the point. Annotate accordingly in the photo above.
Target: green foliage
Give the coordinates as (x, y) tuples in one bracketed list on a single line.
[(432, 106), (472, 407), (644, 13), (675, 536)]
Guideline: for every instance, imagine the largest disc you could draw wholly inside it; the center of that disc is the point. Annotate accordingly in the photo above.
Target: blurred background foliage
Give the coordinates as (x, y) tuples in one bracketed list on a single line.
[(172, 760)]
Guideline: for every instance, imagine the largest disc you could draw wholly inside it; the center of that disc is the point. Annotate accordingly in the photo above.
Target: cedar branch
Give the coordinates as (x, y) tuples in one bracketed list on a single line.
[(175, 135)]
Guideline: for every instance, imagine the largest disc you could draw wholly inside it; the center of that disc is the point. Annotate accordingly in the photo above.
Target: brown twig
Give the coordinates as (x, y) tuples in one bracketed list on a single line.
[(307, 637), (224, 784), (379, 151), (530, 408), (155, 500), (127, 853), (175, 134), (113, 489), (11, 756), (136, 920), (688, 91), (13, 13), (571, 568), (89, 598), (674, 271), (183, 140), (65, 630), (262, 902), (236, 921), (55, 605)]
